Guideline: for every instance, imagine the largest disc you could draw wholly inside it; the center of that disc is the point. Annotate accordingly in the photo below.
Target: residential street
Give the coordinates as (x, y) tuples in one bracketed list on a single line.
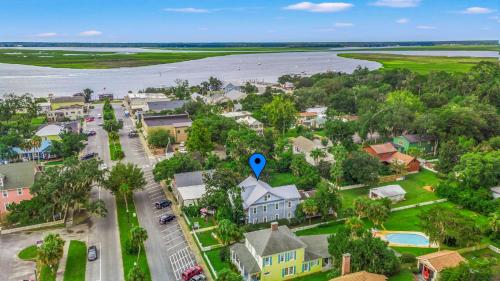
[(103, 231), (166, 242)]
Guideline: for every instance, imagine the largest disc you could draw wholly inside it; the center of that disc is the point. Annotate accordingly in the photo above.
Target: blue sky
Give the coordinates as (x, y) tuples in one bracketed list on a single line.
[(247, 21)]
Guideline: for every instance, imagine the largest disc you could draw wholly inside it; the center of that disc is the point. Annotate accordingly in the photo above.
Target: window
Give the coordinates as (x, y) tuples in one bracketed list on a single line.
[(256, 220), (306, 267), (265, 209), (268, 261), (265, 219), (19, 191), (178, 131), (287, 271), (5, 193), (281, 258), (277, 217), (289, 204), (313, 263), (277, 206), (266, 273), (255, 210)]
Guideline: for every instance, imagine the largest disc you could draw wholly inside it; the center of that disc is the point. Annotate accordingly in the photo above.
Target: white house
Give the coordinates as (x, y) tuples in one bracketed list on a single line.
[(302, 145), (189, 187), (253, 123), (394, 192)]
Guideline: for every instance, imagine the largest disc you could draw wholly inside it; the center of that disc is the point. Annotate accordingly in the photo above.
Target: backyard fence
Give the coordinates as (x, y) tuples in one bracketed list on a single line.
[(418, 205), (494, 249)]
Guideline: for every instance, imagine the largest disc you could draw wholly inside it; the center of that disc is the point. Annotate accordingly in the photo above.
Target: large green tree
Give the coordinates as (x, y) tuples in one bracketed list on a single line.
[(200, 138), (179, 163), (124, 179), (361, 167), (68, 145), (327, 199), (228, 232), (159, 138), (51, 251), (281, 113)]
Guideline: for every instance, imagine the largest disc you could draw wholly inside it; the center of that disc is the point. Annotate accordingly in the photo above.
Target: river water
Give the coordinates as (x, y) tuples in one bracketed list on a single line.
[(40, 81)]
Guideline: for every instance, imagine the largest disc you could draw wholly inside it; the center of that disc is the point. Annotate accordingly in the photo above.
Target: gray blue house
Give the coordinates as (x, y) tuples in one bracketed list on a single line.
[(263, 203)]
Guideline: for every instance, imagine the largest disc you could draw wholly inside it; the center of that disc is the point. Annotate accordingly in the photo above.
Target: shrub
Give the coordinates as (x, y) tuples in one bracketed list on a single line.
[(159, 138), (131, 248), (407, 258), (224, 254), (191, 211)]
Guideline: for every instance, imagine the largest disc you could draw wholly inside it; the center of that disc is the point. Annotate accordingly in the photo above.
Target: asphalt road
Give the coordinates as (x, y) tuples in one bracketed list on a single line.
[(103, 231), (166, 243)]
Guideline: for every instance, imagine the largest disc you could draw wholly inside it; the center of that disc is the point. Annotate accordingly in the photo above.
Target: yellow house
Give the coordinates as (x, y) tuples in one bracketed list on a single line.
[(177, 125), (277, 253), (58, 102)]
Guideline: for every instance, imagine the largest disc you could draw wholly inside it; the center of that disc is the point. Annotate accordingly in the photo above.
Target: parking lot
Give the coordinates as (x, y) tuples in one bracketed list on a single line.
[(166, 248)]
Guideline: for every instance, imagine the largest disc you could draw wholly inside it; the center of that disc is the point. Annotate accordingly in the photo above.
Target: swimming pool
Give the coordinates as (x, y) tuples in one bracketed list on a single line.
[(413, 239)]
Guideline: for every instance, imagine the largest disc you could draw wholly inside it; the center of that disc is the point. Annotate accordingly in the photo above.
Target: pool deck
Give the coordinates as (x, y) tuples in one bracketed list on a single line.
[(382, 235)]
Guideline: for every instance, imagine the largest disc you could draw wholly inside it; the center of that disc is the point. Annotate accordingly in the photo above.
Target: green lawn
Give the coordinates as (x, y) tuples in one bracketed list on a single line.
[(279, 179), (448, 47), (403, 275), (415, 251), (76, 262), (404, 220), (320, 276), (203, 222), (206, 238), (29, 253), (53, 163), (124, 226), (485, 253), (214, 257), (421, 64), (412, 184), (38, 121)]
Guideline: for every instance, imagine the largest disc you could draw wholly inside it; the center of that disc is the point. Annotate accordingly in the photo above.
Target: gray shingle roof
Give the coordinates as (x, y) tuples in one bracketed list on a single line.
[(268, 242), (163, 120), (413, 138), (252, 190), (158, 106), (190, 178), (18, 175), (317, 246), (246, 258)]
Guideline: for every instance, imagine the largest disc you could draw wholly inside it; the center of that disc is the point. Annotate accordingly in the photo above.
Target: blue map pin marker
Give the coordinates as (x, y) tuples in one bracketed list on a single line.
[(257, 162)]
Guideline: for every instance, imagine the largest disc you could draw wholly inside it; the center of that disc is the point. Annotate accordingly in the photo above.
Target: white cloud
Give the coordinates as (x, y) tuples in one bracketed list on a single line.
[(327, 7), (426, 27), (90, 33), (402, 21), (47, 34), (186, 10), (477, 10), (343, 24), (397, 3)]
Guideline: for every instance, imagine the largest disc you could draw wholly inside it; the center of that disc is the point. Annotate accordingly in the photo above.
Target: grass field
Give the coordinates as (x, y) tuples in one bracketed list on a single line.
[(420, 64), (412, 185), (214, 257), (437, 48), (104, 60), (46, 274), (203, 222), (124, 226), (279, 179), (403, 275), (29, 253), (76, 262), (415, 251)]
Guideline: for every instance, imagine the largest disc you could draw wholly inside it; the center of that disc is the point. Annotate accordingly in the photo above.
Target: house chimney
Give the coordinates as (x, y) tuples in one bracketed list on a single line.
[(346, 264), (274, 226)]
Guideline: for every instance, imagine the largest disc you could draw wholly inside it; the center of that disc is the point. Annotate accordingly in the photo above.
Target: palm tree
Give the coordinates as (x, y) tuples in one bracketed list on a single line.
[(26, 146), (137, 236), (493, 222), (36, 143), (316, 154), (310, 208), (51, 251), (355, 224)]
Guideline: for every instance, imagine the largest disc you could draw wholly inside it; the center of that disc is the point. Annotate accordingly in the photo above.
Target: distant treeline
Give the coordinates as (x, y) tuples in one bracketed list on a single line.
[(243, 44)]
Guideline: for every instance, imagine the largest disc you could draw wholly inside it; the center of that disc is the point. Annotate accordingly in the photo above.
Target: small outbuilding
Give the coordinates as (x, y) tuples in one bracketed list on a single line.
[(394, 192), (430, 265), (495, 192)]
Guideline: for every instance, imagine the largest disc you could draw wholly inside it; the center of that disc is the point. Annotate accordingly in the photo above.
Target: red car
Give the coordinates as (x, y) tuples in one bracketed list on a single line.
[(190, 272), (89, 119)]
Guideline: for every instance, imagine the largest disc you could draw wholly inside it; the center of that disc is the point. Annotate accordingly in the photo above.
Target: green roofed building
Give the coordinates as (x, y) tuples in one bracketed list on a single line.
[(423, 142)]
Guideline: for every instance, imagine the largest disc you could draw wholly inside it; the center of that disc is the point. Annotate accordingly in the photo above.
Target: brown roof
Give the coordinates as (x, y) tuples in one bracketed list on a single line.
[(307, 114), (361, 276), (383, 148), (401, 157), (442, 259)]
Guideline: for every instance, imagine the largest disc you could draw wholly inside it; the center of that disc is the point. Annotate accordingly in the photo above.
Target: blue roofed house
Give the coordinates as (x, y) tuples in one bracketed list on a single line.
[(263, 203), (39, 153)]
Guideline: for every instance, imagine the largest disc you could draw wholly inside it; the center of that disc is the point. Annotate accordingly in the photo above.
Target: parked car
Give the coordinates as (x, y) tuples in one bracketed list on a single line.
[(92, 253), (91, 133), (163, 204), (199, 277), (88, 156), (166, 218), (133, 134), (191, 272), (89, 119)]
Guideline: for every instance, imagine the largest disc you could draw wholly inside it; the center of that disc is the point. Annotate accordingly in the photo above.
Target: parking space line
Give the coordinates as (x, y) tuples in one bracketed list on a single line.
[(168, 228), (157, 196)]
